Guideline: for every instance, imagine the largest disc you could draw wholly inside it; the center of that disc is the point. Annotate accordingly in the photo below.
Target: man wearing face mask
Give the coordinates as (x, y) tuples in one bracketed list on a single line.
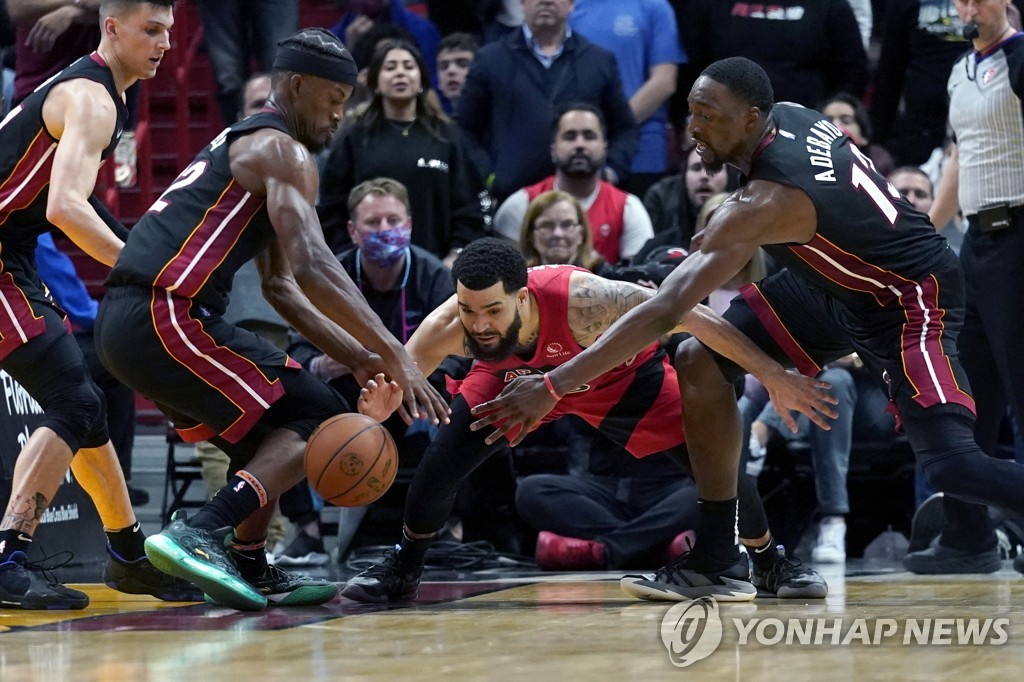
[(403, 284)]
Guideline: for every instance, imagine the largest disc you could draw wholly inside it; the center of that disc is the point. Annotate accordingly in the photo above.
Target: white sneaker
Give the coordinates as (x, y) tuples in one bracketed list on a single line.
[(831, 547)]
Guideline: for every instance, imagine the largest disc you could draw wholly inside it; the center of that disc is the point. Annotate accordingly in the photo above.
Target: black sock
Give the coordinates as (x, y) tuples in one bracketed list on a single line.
[(232, 504), (127, 543), (250, 557), (11, 541), (716, 534), (764, 556), (413, 553)]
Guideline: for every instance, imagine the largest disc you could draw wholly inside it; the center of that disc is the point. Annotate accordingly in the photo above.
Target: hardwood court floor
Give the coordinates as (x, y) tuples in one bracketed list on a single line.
[(533, 628)]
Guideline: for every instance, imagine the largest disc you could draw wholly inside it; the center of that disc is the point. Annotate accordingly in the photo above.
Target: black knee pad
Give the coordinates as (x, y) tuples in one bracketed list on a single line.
[(75, 410)]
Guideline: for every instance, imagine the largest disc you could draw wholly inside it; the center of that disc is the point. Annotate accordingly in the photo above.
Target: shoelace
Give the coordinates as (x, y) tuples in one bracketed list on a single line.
[(387, 566), (45, 569)]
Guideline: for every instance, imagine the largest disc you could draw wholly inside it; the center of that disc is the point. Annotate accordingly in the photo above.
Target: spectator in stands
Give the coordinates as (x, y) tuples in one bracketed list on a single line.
[(920, 41), (830, 455), (642, 35), (362, 15), (402, 283), (916, 186), (848, 114), (556, 231), (618, 222), (236, 32), (50, 35), (611, 510), (363, 51), (515, 84), (454, 55), (403, 134), (810, 50), (673, 203)]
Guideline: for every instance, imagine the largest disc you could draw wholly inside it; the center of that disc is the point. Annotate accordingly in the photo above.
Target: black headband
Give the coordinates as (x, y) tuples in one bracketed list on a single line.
[(333, 69)]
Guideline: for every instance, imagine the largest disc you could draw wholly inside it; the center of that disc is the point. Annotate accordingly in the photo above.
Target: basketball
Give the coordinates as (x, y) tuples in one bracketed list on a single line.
[(351, 460)]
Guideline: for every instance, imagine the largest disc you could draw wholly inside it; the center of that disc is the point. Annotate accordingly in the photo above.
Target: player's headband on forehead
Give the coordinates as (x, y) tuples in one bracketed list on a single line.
[(330, 68)]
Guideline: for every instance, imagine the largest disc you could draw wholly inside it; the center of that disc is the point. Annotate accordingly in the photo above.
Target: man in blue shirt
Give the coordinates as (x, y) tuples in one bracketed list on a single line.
[(645, 40)]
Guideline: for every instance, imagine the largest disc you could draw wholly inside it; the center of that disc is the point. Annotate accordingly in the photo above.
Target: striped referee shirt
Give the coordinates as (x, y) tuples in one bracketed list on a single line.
[(987, 116)]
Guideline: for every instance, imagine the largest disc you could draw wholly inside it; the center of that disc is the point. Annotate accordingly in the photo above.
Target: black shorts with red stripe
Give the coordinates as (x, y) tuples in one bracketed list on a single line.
[(23, 303), (38, 351), (214, 380), (909, 345)]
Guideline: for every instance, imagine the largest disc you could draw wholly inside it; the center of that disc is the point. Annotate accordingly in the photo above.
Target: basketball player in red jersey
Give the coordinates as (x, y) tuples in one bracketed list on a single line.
[(516, 322), (51, 148)]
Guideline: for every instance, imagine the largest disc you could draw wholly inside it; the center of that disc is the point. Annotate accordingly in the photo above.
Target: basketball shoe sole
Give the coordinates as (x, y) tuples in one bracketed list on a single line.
[(168, 556), (677, 583), (282, 588)]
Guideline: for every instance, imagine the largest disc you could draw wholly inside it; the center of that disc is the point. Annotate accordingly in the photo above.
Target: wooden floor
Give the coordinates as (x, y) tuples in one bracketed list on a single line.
[(566, 627)]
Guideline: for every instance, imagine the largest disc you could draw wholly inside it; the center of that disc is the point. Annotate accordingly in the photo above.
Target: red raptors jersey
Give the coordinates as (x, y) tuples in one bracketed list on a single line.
[(636, 404), (605, 216)]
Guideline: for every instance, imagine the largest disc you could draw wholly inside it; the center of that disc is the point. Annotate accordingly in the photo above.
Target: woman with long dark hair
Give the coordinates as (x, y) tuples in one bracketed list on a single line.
[(403, 134)]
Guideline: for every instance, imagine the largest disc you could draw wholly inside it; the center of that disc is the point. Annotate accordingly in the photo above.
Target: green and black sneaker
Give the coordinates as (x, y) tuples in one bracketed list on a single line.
[(199, 556), (282, 588)]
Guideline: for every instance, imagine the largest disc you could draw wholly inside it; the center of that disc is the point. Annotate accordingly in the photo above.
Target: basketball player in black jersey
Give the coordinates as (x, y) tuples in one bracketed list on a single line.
[(249, 194), (865, 272), (51, 148)]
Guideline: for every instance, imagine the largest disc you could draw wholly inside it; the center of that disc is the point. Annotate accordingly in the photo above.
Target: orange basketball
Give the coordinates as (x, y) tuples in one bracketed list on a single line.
[(351, 460)]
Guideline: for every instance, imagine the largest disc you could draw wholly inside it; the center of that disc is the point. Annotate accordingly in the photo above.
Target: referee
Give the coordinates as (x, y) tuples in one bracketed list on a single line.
[(986, 176)]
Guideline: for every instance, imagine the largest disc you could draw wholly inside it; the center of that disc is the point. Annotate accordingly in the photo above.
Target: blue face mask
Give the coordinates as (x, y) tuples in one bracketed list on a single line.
[(386, 247)]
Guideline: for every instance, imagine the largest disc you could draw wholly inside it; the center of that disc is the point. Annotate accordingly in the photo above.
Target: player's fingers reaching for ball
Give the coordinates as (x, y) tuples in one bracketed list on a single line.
[(792, 392), (379, 398), (522, 403)]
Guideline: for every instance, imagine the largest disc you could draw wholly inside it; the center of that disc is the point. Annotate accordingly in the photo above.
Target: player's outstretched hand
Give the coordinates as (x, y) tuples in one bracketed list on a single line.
[(421, 399), (379, 398), (523, 403), (791, 392)]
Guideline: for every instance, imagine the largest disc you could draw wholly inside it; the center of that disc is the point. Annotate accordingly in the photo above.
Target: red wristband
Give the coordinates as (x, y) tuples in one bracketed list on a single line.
[(551, 388)]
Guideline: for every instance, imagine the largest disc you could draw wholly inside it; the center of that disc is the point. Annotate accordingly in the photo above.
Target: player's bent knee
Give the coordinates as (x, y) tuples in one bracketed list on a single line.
[(696, 365), (77, 414)]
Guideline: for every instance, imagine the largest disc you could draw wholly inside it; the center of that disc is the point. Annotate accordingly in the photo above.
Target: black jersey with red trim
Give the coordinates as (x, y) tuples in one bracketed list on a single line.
[(27, 150), (871, 244), (202, 228)]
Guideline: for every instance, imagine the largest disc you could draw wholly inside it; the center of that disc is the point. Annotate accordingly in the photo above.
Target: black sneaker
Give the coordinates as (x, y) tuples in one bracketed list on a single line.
[(140, 577), (199, 556), (25, 585), (676, 581), (384, 582), (304, 550), (1018, 563), (788, 579), (927, 523), (941, 560)]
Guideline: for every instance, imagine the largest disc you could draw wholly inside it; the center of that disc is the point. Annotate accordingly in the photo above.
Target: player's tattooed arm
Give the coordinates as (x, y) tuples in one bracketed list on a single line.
[(595, 303)]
